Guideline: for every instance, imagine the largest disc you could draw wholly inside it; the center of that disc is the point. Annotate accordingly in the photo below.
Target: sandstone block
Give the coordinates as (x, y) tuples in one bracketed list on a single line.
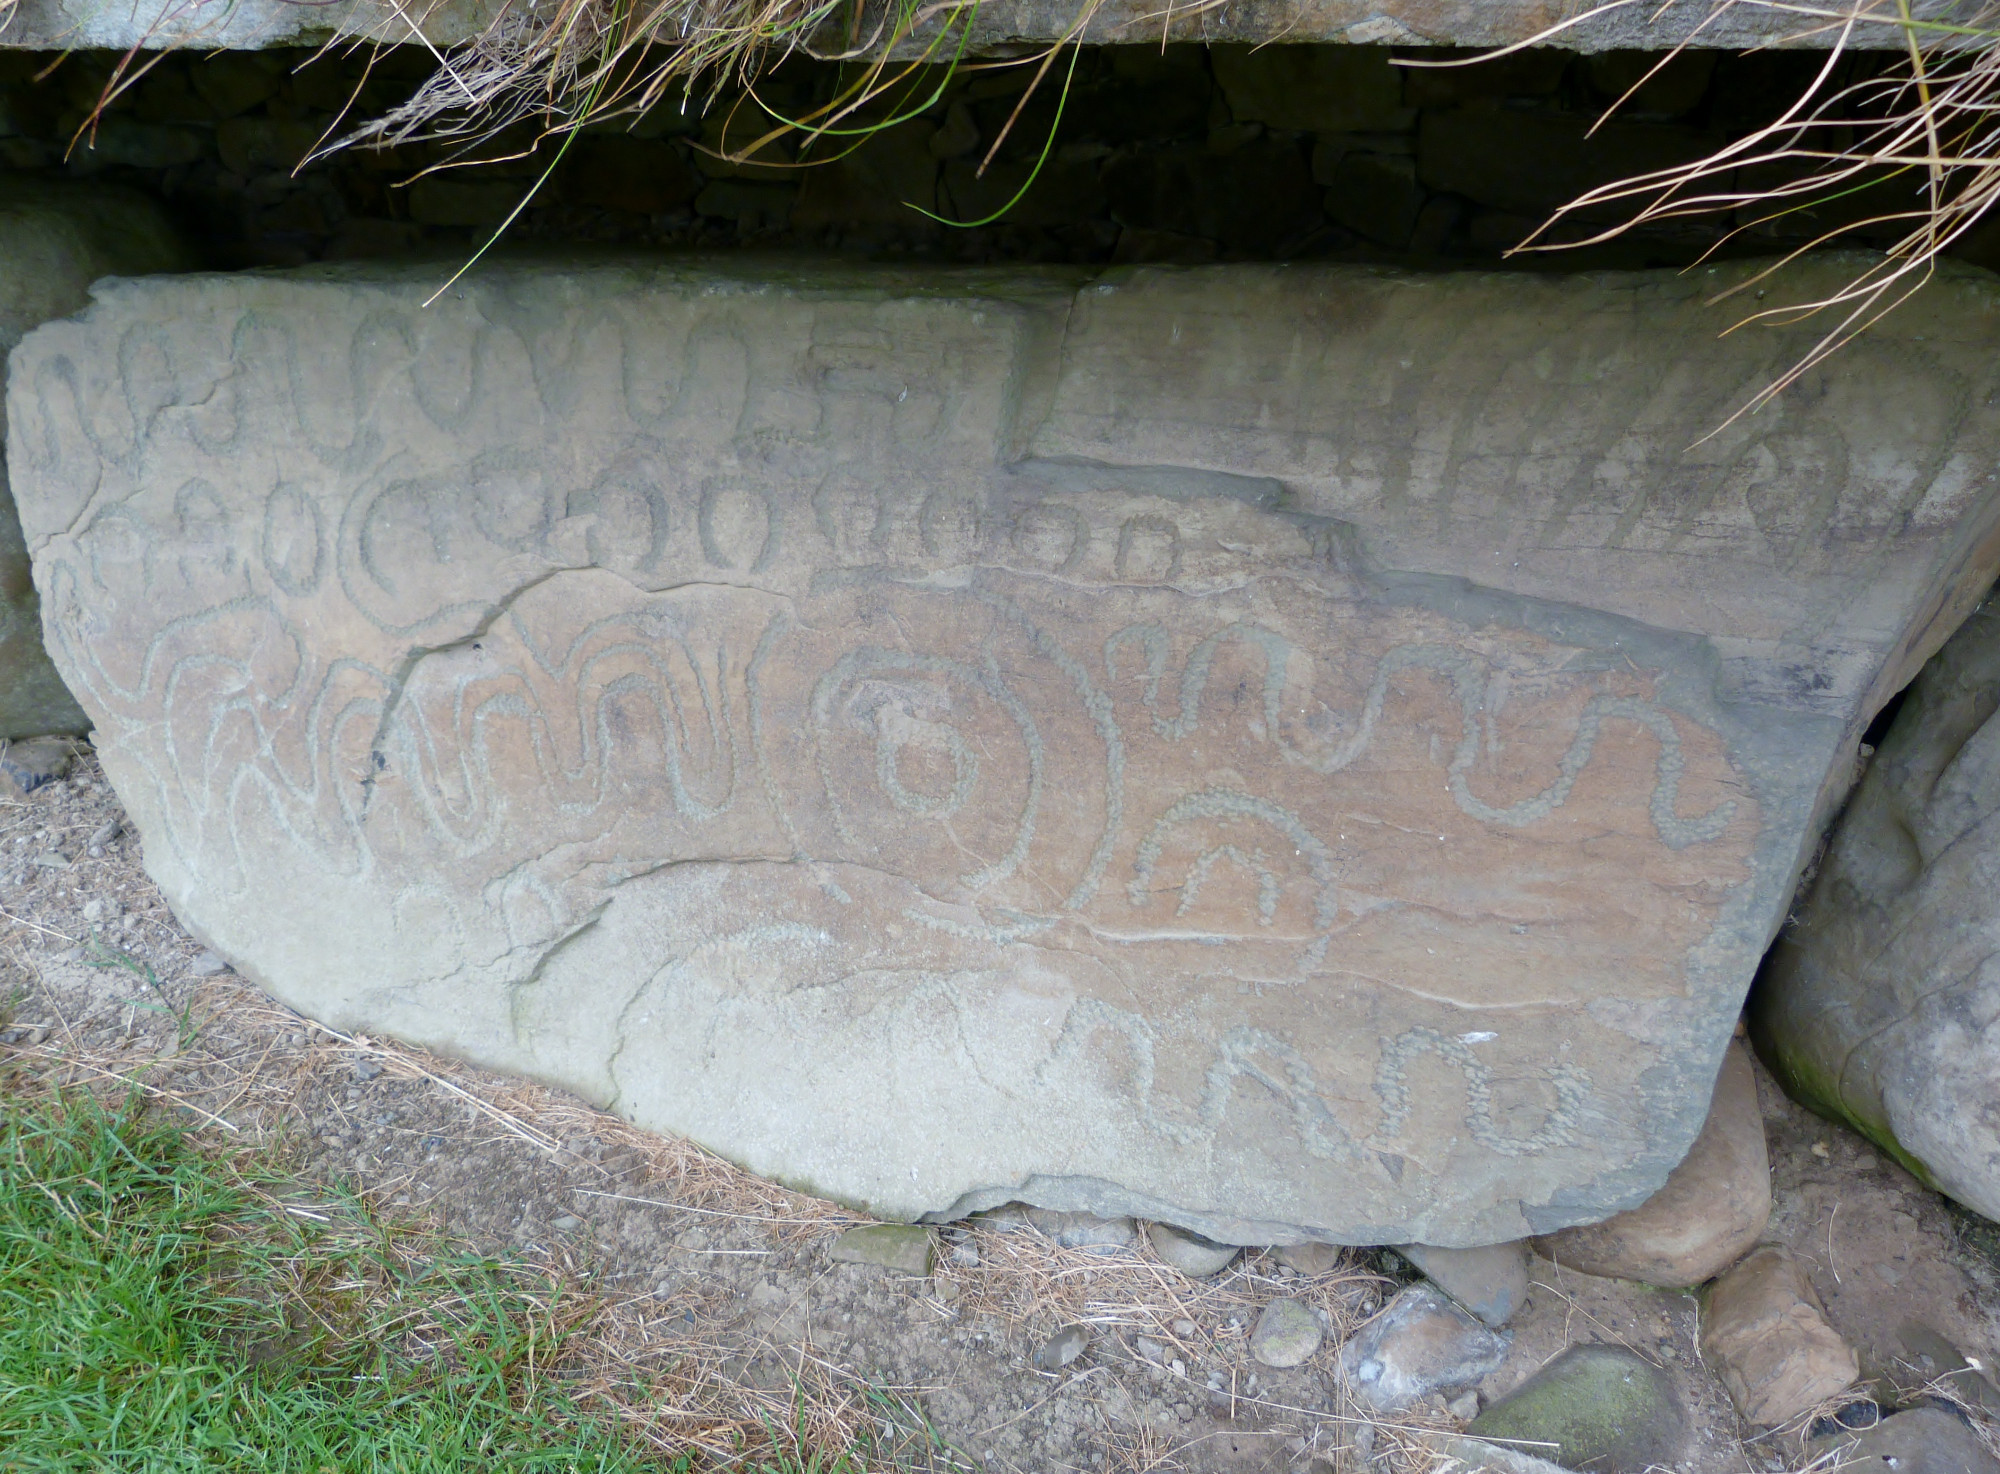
[(54, 242), (1289, 752), (1882, 1005), (1765, 1335), (1712, 1209)]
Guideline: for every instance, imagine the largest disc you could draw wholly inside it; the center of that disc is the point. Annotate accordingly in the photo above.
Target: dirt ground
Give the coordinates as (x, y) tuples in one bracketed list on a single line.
[(724, 1318)]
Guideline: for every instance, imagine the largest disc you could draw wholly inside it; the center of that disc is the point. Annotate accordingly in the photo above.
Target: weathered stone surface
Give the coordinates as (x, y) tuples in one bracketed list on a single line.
[(908, 1247), (1064, 1347), (1290, 752), (1882, 1005), (1421, 1343), (53, 243), (26, 766), (1190, 1253), (1602, 1408), (1309, 1259), (1711, 1211), (1925, 1362), (1924, 1440), (1287, 1333), (1490, 1281), (1085, 1230), (1765, 1336)]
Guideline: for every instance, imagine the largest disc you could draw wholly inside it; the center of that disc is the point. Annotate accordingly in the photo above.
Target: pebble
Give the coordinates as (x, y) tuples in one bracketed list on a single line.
[(51, 860), (1765, 1335), (965, 1255), (1190, 1253), (1309, 1258), (1603, 1408), (1064, 1347), (1421, 1343), (908, 1247), (1464, 1407), (1184, 1327), (367, 1069), (101, 908), (1150, 1349), (565, 1223), (207, 965), (1287, 1334), (105, 833), (1085, 1230), (1491, 1282)]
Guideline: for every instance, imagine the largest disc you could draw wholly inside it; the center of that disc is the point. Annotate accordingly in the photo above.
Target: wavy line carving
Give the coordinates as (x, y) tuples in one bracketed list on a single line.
[(1468, 682)]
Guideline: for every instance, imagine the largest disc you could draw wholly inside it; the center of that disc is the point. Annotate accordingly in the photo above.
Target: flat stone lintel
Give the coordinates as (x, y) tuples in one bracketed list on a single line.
[(1640, 24)]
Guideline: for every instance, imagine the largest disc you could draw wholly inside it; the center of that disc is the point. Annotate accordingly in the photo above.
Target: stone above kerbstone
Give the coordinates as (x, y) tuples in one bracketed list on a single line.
[(55, 240), (1711, 1211), (1293, 753), (1881, 1007)]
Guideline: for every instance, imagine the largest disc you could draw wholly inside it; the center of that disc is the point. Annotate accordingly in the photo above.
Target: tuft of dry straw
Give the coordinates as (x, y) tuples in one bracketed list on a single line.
[(1920, 136)]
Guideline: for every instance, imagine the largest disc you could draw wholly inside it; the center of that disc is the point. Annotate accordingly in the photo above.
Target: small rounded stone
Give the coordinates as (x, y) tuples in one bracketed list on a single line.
[(1190, 1253), (1287, 1334), (1064, 1347)]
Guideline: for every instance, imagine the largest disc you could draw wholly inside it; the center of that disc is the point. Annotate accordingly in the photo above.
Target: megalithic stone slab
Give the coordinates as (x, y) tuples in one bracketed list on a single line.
[(55, 240), (1294, 753)]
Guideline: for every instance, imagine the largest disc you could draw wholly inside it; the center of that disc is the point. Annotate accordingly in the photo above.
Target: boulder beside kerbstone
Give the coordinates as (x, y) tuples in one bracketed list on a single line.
[(55, 240), (1711, 1211), (1881, 1005)]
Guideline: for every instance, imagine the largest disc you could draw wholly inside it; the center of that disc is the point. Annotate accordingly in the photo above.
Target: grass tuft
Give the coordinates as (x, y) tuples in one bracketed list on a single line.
[(165, 1310)]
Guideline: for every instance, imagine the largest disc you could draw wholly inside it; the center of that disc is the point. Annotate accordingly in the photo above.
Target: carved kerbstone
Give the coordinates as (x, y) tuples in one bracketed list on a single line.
[(55, 241), (1292, 752)]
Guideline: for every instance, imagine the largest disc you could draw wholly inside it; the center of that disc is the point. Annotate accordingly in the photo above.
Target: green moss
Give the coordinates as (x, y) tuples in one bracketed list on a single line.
[(1601, 1408), (1807, 1081)]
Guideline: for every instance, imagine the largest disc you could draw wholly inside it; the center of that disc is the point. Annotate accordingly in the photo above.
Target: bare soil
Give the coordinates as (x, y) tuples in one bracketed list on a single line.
[(724, 1325)]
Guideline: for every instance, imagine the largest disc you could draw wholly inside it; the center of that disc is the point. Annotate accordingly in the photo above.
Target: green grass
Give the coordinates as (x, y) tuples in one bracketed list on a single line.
[(162, 1310)]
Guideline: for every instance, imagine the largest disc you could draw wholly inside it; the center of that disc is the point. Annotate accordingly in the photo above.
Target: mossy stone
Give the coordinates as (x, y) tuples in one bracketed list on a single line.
[(904, 1246), (1600, 1409)]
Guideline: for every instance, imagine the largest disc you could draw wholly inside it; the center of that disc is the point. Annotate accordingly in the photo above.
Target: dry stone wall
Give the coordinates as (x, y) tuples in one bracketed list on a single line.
[(1293, 752), (1184, 153)]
